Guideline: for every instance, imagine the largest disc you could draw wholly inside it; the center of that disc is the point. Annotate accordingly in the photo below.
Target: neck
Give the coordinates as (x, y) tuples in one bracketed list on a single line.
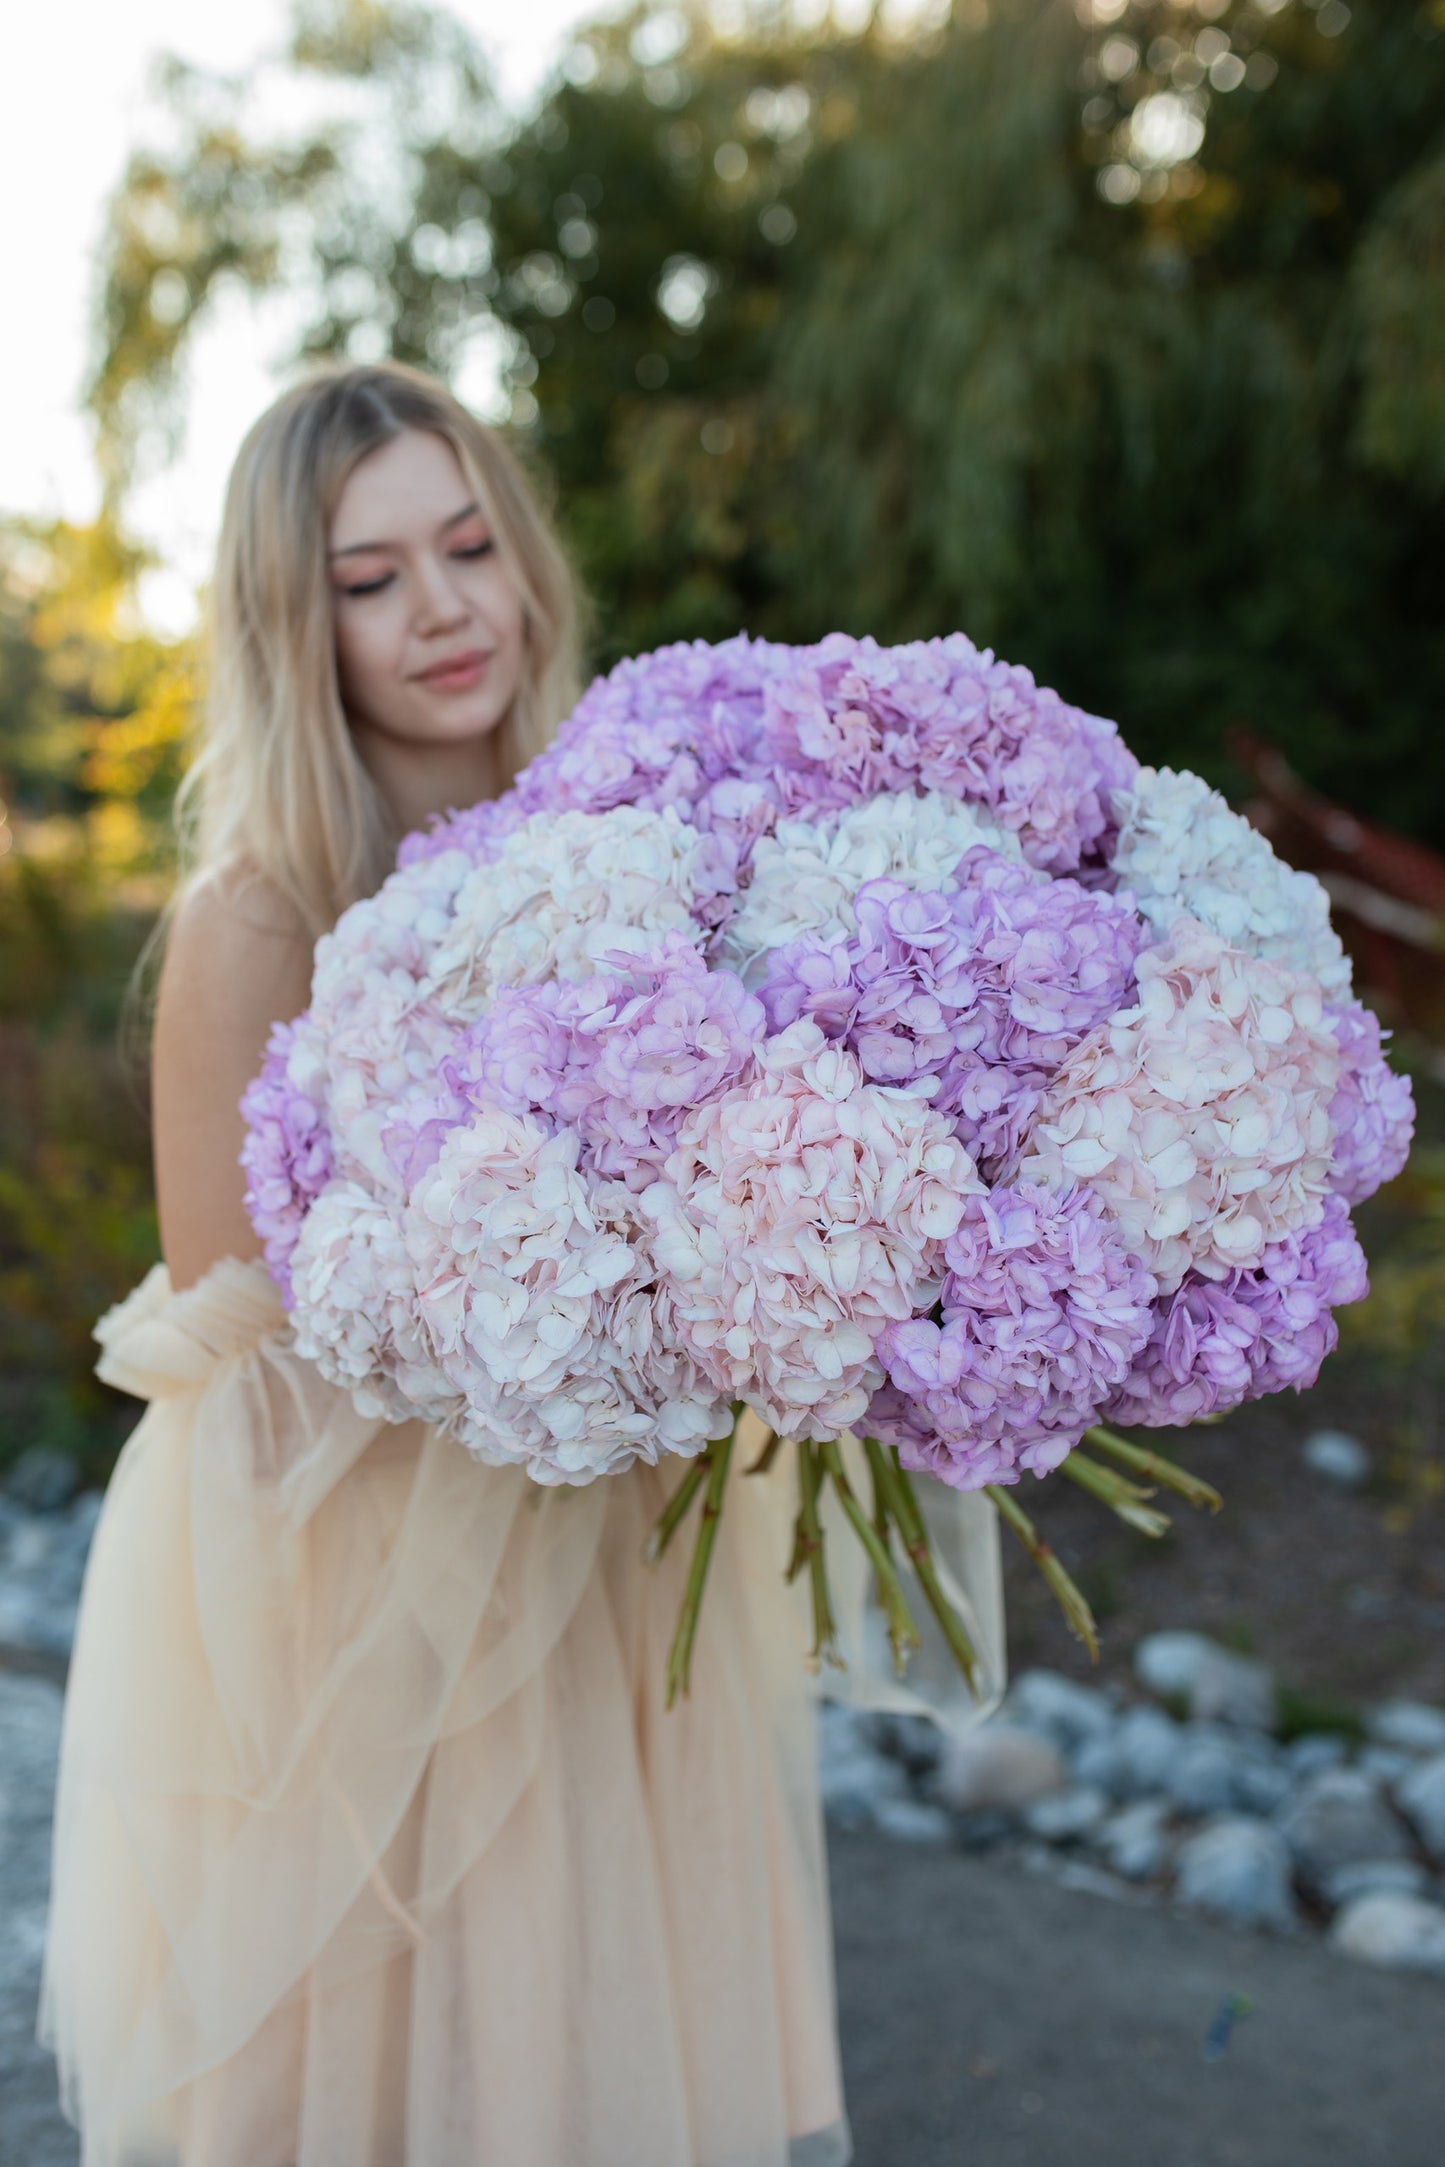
[(419, 780)]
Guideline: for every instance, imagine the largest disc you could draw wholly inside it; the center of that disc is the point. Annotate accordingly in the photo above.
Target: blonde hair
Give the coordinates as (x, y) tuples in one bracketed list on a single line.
[(278, 783), (277, 786)]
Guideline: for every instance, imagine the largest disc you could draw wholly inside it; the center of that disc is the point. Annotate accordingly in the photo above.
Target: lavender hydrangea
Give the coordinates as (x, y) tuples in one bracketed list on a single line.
[(983, 991), (1216, 1343), (854, 719), (287, 1153), (1373, 1110), (1042, 1312)]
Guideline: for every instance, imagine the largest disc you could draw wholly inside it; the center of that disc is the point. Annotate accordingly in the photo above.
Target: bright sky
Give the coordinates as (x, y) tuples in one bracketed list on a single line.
[(73, 103)]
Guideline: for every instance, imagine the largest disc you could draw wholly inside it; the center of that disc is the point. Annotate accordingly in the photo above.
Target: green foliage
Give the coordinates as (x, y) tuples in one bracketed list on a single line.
[(907, 335), (1299, 1713)]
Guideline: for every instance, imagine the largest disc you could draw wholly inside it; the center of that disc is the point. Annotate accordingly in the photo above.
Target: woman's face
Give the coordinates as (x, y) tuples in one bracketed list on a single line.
[(429, 622)]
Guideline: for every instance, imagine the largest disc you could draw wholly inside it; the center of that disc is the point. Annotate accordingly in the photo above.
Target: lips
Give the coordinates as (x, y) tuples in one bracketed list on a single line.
[(456, 671)]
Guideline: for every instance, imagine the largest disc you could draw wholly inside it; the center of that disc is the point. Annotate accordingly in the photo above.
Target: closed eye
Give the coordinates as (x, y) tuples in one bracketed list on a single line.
[(475, 549), (371, 586)]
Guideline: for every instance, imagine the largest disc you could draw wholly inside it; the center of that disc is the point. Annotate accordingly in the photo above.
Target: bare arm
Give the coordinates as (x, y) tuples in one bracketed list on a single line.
[(236, 963)]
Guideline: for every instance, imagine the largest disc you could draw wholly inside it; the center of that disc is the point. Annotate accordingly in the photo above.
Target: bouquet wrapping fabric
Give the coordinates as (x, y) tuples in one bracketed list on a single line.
[(855, 1035)]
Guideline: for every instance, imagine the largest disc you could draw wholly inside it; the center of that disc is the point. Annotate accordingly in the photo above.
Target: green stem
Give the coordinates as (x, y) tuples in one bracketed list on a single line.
[(676, 1510), (903, 1634), (1068, 1595), (904, 1509), (1122, 1497), (1145, 1462), (810, 1540), (679, 1662), (766, 1456)]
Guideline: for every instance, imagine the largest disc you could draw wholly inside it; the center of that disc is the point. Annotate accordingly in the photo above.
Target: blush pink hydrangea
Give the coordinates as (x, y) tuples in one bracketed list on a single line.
[(800, 1213)]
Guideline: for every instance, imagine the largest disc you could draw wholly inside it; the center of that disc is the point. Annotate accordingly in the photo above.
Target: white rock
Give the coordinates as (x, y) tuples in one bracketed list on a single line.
[(1201, 1778), (1316, 1750), (854, 1782), (1387, 1763), (1337, 1818), (1148, 1742), (1421, 1795), (1403, 1877), (1058, 1707), (1403, 1932), (1216, 1684), (998, 1764), (1338, 1456), (1063, 1815), (1134, 1842), (1409, 1726), (1237, 1868), (911, 1821)]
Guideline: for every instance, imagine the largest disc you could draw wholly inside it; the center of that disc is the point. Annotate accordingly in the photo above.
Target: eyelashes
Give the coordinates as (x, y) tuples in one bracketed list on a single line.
[(375, 586)]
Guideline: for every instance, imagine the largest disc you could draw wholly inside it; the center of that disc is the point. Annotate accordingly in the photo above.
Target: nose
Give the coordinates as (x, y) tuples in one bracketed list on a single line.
[(440, 604)]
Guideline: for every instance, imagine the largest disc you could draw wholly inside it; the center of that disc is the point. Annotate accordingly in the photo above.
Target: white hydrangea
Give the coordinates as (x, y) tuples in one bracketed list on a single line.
[(540, 1299), (562, 890), (1182, 850), (355, 1311), (807, 872), (1201, 1116)]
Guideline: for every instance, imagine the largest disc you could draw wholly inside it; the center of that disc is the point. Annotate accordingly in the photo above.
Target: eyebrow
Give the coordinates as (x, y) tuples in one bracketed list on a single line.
[(366, 549)]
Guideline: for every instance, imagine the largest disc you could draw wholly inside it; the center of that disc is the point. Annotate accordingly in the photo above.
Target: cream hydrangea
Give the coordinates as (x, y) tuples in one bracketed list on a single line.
[(354, 1307), (563, 890), (800, 1213), (538, 1295), (1182, 850), (807, 872), (1201, 1116)]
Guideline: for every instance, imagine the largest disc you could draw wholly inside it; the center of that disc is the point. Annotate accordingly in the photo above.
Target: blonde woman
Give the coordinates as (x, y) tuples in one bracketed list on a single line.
[(375, 1845)]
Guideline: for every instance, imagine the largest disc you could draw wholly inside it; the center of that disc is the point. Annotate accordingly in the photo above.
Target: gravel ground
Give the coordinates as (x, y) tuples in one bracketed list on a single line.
[(991, 2019)]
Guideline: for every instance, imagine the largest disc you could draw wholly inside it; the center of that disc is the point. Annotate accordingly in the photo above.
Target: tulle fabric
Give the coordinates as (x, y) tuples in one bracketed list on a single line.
[(375, 1845)]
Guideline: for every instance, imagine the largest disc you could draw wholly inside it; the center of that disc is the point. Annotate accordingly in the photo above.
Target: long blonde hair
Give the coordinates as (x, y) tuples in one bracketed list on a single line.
[(277, 786), (278, 781)]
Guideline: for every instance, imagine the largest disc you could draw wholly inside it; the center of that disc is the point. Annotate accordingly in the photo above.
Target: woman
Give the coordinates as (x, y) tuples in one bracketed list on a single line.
[(375, 1845)]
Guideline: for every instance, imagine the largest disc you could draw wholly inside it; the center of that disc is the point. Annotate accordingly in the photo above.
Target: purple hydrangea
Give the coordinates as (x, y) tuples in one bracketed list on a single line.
[(1218, 1342), (1373, 1109), (853, 718), (676, 727), (985, 990), (620, 1057), (287, 1150), (1042, 1313)]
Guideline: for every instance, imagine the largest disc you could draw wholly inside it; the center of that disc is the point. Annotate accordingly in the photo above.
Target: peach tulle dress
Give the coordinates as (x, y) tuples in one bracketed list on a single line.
[(375, 1844)]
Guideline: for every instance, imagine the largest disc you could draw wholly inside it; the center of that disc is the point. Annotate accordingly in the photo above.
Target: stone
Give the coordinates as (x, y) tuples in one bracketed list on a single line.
[(1201, 1778), (853, 1780), (1097, 1763), (1058, 1707), (1316, 1750), (1061, 1816), (915, 1741), (910, 1820), (1387, 1763), (43, 1479), (1409, 1726), (1216, 1684), (1133, 1842), (1237, 1868), (1404, 1933), (1338, 1456), (1337, 1818), (1147, 1743), (1404, 1877), (998, 1765), (1421, 1797)]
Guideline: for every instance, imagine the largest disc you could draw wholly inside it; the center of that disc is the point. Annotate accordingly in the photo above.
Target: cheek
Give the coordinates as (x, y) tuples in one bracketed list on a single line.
[(362, 651)]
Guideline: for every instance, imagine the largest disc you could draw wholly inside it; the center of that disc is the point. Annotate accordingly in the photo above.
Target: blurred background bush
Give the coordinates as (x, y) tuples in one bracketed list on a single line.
[(1113, 334)]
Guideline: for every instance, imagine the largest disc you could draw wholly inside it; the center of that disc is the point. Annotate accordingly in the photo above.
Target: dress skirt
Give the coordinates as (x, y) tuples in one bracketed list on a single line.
[(375, 1843)]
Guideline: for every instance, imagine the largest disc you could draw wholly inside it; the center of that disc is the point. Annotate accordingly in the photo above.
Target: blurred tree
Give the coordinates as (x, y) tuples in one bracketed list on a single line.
[(1114, 337)]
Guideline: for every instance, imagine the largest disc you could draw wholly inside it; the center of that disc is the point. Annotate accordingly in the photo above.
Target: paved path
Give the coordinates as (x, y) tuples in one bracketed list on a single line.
[(995, 2019), (989, 2018)]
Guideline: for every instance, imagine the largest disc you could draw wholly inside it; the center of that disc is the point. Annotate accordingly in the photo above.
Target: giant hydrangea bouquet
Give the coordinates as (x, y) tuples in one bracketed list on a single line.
[(856, 1035)]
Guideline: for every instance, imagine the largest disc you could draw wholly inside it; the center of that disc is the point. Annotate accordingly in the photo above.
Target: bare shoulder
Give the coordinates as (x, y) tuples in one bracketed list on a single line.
[(238, 960)]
